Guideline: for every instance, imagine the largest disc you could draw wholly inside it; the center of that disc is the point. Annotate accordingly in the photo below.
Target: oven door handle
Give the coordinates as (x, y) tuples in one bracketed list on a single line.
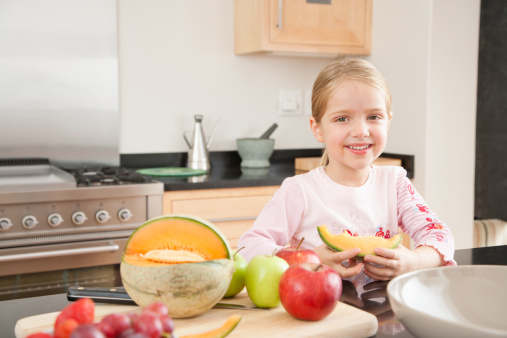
[(57, 253)]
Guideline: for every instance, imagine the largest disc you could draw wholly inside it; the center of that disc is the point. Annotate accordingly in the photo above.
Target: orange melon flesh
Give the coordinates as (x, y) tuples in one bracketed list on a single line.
[(221, 332), (367, 244), (174, 240)]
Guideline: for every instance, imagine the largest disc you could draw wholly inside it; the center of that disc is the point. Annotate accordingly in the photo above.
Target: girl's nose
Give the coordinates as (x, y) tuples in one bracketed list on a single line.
[(360, 129)]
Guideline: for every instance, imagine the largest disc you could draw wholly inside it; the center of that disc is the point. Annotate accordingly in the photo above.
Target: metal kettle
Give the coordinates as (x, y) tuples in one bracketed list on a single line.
[(198, 153)]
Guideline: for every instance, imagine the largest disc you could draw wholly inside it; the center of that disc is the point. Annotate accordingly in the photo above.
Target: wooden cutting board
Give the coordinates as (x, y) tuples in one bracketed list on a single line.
[(344, 321)]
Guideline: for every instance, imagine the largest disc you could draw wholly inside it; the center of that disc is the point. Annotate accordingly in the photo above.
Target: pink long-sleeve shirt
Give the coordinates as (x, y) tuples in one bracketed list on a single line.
[(386, 201)]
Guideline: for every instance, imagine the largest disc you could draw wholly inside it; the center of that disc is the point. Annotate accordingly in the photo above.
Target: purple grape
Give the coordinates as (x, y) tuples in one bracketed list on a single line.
[(158, 307), (113, 324), (167, 324), (149, 324), (87, 331), (131, 333)]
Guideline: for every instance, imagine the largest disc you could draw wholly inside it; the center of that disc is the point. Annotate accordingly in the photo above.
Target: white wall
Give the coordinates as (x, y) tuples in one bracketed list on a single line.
[(450, 119), (177, 60)]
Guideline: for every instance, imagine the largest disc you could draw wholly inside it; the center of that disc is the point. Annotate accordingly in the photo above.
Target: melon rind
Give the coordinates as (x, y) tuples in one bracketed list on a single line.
[(367, 244), (187, 289)]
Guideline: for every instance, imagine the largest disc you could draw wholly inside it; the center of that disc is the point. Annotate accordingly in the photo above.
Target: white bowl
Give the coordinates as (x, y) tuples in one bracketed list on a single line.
[(462, 301)]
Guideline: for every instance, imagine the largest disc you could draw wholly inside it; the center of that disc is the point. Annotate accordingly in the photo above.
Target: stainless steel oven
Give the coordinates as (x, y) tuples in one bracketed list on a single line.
[(56, 221)]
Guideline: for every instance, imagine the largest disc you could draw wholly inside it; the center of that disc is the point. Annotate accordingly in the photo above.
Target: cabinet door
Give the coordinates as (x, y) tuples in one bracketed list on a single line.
[(234, 229), (232, 210), (332, 23), (303, 26)]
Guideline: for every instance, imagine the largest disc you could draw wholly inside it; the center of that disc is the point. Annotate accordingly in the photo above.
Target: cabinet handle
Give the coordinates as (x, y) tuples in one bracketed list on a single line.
[(59, 253), (280, 5)]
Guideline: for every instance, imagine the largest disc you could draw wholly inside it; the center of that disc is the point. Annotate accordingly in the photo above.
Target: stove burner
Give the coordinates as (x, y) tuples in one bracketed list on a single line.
[(110, 180), (107, 176), (134, 178), (90, 173), (115, 171)]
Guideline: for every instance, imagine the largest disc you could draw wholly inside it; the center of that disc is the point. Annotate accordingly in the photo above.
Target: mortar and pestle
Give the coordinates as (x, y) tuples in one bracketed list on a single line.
[(255, 152)]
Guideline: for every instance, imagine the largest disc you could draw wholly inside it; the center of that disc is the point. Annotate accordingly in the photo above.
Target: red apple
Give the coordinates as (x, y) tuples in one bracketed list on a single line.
[(310, 291), (298, 254)]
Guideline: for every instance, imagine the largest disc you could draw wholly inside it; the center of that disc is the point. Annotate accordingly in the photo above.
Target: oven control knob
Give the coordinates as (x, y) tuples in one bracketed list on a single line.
[(55, 220), (5, 223), (29, 221), (102, 216), (78, 217), (124, 215)]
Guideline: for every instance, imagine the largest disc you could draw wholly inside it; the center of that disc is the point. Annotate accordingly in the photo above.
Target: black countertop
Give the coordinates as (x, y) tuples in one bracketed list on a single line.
[(226, 171), (231, 177), (13, 310)]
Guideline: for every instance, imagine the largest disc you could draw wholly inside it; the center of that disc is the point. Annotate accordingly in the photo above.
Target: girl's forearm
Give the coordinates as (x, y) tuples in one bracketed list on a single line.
[(428, 257)]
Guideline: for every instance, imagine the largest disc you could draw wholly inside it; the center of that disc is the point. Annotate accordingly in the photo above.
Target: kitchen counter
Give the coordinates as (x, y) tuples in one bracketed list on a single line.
[(226, 171), (373, 300)]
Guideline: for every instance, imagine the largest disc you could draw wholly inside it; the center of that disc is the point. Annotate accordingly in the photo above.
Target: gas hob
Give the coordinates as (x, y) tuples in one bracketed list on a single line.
[(42, 204)]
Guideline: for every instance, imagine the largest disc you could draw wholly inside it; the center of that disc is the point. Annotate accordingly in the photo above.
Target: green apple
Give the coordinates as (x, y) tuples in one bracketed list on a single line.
[(238, 278), (262, 278)]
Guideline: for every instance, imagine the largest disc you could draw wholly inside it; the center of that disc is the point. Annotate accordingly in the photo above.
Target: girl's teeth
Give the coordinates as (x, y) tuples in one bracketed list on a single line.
[(358, 148)]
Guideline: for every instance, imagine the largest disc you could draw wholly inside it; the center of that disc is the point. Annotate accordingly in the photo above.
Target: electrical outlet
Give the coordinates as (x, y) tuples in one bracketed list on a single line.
[(290, 102), (308, 102)]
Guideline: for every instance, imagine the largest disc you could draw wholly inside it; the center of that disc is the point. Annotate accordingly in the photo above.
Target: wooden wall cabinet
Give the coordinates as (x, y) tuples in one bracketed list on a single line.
[(303, 26), (232, 210)]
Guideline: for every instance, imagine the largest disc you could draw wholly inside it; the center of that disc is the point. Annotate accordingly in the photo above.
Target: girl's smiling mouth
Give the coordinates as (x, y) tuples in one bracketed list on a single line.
[(359, 147)]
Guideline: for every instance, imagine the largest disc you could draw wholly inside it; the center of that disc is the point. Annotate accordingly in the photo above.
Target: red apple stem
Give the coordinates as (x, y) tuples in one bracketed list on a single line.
[(274, 251), (238, 251), (318, 267), (300, 242)]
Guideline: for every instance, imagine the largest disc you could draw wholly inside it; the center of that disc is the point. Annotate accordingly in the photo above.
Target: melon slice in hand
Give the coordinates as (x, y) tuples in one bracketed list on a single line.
[(367, 244)]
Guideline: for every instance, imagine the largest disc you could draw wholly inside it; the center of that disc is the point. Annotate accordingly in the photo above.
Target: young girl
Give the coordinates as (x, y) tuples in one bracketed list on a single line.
[(351, 114)]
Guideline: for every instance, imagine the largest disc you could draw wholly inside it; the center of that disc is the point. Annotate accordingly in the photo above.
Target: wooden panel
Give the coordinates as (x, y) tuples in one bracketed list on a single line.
[(341, 23), (213, 204), (248, 28), (309, 29), (344, 321), (232, 210), (221, 208), (234, 229), (405, 241)]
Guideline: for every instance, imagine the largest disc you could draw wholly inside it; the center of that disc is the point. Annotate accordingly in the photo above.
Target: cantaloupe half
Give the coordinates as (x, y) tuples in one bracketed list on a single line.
[(182, 261), (367, 244)]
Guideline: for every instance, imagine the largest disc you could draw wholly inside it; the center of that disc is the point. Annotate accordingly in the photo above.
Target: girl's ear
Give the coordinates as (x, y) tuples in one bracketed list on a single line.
[(389, 121), (317, 132)]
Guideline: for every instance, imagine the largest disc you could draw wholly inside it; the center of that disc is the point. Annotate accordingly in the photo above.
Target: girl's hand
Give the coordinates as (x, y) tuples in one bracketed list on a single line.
[(335, 260), (390, 263)]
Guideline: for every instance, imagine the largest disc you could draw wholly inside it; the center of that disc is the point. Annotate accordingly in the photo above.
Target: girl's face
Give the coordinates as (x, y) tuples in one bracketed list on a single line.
[(353, 128)]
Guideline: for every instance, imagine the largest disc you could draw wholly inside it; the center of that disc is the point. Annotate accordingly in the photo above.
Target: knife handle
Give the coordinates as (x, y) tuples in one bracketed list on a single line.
[(114, 295)]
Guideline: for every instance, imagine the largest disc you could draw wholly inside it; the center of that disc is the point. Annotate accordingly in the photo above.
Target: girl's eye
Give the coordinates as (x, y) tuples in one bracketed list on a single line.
[(374, 117), (341, 119)]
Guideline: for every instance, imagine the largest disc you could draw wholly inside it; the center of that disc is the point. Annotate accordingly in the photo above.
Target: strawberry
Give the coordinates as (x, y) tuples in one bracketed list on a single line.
[(65, 328), (82, 311), (39, 335)]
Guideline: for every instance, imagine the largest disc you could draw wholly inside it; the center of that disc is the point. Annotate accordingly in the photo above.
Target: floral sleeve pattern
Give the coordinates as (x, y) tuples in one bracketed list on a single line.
[(417, 220)]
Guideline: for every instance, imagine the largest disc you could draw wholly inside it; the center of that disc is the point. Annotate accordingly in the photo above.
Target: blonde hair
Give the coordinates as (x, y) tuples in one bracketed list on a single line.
[(334, 74)]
